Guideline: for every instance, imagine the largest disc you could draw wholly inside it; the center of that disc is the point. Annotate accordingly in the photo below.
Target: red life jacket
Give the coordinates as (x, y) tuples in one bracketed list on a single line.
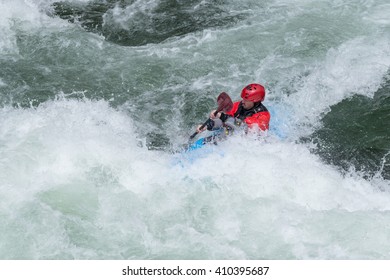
[(258, 115)]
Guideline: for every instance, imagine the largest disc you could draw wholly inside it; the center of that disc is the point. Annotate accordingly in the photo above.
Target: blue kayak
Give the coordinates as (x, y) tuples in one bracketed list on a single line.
[(213, 137)]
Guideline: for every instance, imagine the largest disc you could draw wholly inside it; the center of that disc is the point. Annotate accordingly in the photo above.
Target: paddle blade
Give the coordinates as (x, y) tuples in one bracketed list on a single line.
[(225, 103)]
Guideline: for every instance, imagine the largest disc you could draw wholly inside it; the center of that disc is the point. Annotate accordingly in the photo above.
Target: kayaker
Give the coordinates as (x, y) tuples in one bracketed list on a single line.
[(249, 110)]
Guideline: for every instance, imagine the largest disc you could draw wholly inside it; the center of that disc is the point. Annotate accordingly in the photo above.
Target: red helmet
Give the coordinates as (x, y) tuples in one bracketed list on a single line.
[(253, 92)]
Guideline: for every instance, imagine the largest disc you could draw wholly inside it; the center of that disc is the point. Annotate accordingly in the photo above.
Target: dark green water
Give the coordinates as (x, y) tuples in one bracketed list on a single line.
[(356, 133), (153, 24)]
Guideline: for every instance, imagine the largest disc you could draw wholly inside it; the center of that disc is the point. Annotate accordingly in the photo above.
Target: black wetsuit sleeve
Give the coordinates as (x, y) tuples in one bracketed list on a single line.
[(224, 117)]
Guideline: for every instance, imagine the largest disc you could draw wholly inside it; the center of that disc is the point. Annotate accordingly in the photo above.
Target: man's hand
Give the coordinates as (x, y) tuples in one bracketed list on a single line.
[(213, 116), (201, 130)]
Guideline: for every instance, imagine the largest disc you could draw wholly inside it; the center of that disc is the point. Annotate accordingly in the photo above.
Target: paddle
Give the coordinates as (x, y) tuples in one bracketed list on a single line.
[(225, 103)]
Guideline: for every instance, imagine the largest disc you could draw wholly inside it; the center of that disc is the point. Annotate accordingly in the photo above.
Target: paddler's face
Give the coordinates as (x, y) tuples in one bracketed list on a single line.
[(247, 104)]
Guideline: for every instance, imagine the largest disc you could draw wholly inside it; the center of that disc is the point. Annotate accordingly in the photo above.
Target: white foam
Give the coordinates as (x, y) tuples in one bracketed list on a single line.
[(357, 66), (123, 16), (62, 139), (27, 16)]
